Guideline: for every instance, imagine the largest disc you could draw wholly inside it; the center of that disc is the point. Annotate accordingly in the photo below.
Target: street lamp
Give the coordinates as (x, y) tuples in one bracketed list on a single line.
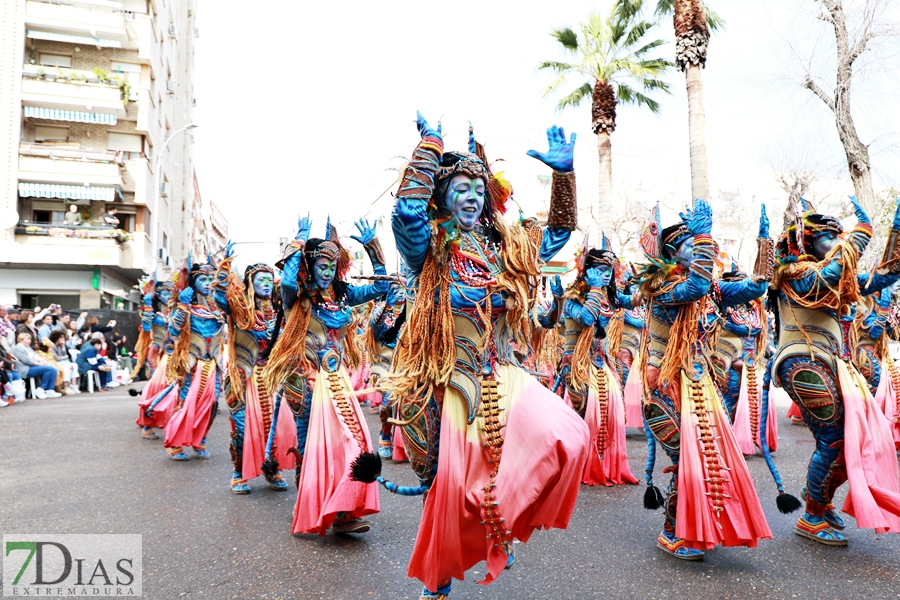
[(155, 229)]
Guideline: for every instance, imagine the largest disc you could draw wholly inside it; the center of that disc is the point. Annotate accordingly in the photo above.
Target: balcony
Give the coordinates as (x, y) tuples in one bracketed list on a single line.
[(104, 21), (137, 178), (94, 246), (71, 94), (90, 168)]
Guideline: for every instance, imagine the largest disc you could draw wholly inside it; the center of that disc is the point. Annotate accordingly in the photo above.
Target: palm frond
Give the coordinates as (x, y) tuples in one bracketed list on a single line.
[(567, 37), (576, 97), (628, 95), (713, 20), (557, 67)]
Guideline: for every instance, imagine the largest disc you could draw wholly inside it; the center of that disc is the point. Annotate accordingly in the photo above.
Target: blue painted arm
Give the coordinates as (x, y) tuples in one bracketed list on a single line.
[(878, 283), (741, 292), (412, 233), (360, 294), (553, 241), (289, 289), (587, 313)]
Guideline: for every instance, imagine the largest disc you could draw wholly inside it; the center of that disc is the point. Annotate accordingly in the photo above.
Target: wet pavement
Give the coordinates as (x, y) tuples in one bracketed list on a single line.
[(79, 465)]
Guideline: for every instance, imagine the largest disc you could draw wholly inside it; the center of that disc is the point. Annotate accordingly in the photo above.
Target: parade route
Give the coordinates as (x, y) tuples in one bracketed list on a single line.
[(78, 464)]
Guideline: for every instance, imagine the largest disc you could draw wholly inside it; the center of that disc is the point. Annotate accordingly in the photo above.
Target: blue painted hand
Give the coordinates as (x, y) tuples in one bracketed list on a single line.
[(763, 222), (304, 226), (698, 220), (186, 296), (229, 249), (366, 230), (425, 129), (561, 154), (858, 209), (556, 287)]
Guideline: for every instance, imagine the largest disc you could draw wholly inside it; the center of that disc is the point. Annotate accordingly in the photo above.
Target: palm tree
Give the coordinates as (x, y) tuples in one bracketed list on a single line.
[(610, 59), (693, 22)]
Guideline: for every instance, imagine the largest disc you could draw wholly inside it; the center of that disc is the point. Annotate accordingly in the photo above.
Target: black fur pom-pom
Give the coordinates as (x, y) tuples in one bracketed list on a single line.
[(270, 469), (366, 467), (653, 498), (787, 503), (134, 392)]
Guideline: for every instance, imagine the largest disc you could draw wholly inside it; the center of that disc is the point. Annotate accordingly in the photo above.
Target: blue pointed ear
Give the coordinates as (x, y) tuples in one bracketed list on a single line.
[(472, 147), (328, 229), (604, 241), (804, 204), (190, 262)]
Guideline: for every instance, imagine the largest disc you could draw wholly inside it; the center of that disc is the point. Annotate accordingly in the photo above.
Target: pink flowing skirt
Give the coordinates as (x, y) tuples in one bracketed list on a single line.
[(869, 452), (714, 508), (163, 411), (888, 400), (337, 434), (399, 454), (256, 437), (189, 425), (545, 446), (634, 395), (746, 435), (610, 467)]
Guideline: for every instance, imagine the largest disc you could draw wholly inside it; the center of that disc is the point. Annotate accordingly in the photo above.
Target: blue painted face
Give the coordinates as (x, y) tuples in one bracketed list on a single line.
[(263, 284), (605, 272), (823, 243), (465, 199), (165, 296), (323, 272), (684, 256), (202, 284)]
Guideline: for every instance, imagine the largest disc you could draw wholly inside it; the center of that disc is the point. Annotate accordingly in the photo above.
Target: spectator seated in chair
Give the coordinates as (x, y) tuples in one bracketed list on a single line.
[(89, 360), (30, 365)]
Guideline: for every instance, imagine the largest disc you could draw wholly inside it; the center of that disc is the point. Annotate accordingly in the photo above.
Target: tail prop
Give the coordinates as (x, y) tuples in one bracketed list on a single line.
[(270, 465), (403, 490), (653, 498), (786, 503)]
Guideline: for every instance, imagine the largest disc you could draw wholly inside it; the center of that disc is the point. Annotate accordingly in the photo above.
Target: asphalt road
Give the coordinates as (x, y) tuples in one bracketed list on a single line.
[(78, 465)]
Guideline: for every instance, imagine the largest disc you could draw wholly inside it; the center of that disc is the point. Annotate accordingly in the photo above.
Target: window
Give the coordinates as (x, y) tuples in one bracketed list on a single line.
[(128, 142), (48, 133), (48, 217), (55, 60)]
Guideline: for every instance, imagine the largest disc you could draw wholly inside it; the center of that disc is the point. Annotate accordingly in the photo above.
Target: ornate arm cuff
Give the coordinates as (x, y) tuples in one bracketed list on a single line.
[(704, 254), (418, 178), (891, 258), (563, 205), (765, 259), (373, 249)]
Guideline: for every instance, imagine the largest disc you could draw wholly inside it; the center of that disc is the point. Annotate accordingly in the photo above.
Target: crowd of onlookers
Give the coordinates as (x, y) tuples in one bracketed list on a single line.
[(57, 351)]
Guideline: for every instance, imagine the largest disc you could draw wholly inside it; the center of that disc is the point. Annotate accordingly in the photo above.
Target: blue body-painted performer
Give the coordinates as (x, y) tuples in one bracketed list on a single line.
[(385, 324), (594, 391), (307, 364), (152, 349), (197, 330), (818, 288), (711, 498), (251, 310), (875, 327), (476, 425)]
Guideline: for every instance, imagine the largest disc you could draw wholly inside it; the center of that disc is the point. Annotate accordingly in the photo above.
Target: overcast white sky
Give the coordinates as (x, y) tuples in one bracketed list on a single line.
[(304, 106)]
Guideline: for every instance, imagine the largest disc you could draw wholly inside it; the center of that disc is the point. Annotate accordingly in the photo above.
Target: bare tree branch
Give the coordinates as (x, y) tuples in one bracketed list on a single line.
[(815, 89)]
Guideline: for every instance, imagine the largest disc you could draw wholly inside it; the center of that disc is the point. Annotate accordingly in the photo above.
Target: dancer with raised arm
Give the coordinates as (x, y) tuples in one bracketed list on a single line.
[(818, 286), (197, 329), (261, 432), (711, 498), (308, 364), (152, 350), (498, 454)]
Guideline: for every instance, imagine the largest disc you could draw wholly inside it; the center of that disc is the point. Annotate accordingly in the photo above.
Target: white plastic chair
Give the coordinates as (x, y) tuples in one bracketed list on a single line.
[(93, 376), (33, 386)]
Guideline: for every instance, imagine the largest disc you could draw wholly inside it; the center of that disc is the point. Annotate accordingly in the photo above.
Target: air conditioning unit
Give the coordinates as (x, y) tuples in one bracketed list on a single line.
[(193, 102), (196, 32), (171, 86), (161, 254), (164, 188), (168, 261), (173, 31), (192, 138)]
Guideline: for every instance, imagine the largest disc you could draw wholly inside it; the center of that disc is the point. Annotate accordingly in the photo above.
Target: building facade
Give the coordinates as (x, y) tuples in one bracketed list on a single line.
[(91, 91)]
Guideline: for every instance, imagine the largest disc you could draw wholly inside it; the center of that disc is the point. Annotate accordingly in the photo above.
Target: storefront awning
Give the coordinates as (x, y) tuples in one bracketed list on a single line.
[(69, 192), (70, 115), (73, 39)]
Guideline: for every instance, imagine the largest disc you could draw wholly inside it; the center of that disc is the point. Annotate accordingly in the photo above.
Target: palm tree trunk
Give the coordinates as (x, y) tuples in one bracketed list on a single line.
[(603, 214), (697, 133), (603, 123), (691, 40)]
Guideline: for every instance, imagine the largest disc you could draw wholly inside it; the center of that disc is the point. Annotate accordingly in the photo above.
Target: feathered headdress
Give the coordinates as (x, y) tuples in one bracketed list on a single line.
[(801, 224), (650, 232)]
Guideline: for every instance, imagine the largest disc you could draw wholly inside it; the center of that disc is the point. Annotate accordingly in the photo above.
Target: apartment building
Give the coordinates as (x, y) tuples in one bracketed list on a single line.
[(209, 226), (91, 91)]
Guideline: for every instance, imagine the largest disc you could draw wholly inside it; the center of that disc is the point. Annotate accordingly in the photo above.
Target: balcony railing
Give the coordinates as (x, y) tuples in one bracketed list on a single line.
[(96, 19), (72, 171), (78, 94), (85, 232)]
